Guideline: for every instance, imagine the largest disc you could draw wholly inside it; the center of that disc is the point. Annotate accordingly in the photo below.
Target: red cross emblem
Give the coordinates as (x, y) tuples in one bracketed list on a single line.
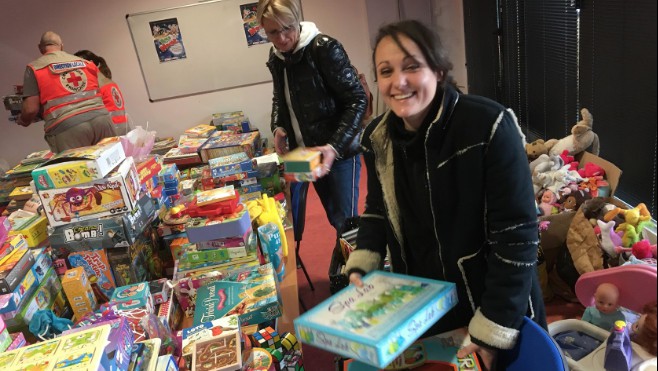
[(74, 81), (116, 97)]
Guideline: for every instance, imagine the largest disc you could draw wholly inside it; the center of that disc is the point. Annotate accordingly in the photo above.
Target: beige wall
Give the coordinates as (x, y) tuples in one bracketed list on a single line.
[(104, 31)]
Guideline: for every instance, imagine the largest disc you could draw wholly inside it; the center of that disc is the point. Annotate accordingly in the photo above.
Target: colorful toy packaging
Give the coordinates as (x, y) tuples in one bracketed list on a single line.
[(78, 291)]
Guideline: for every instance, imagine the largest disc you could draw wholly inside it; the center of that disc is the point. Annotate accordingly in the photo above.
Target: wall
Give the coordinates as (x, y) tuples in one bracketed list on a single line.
[(104, 31)]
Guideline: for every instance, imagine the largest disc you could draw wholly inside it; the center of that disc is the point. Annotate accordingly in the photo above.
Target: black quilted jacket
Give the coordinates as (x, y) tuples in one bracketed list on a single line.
[(325, 92)]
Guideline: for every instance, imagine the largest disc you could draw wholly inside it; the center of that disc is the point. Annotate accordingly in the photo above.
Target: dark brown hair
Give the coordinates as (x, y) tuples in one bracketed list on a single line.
[(98, 61)]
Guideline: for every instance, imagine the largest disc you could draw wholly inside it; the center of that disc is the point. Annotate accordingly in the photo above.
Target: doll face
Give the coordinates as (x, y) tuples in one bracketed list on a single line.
[(547, 197), (639, 324), (570, 202), (606, 299)]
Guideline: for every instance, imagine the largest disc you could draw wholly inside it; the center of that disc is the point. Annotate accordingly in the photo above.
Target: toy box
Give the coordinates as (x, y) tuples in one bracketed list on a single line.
[(97, 268), (438, 351), (206, 330), (42, 263), (221, 353), (78, 166), (252, 294), (84, 350), (148, 169), (116, 193), (301, 160), (78, 291), (129, 264), (229, 165), (375, 323), (34, 229), (17, 341), (136, 296), (612, 172), (107, 232), (13, 268), (160, 290), (206, 229), (13, 300), (43, 298), (120, 342), (228, 242)]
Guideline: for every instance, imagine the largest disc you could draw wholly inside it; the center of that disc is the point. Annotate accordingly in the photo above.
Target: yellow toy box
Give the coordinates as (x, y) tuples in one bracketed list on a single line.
[(78, 291), (114, 194), (78, 166), (33, 229)]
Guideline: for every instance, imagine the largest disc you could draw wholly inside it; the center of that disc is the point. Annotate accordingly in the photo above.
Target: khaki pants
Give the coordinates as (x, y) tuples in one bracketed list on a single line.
[(82, 135)]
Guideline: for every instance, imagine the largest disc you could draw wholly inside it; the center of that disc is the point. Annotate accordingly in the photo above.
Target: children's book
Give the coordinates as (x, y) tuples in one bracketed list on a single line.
[(375, 323), (37, 157)]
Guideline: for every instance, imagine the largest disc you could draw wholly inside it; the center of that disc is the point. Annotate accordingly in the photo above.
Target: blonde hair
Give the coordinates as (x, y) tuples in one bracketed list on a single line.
[(283, 12)]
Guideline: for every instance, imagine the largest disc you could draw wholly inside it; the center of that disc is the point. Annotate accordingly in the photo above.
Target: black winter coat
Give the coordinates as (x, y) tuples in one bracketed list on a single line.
[(326, 95)]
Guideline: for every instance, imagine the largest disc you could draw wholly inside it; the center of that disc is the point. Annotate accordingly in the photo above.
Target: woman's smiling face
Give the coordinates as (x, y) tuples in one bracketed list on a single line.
[(406, 81)]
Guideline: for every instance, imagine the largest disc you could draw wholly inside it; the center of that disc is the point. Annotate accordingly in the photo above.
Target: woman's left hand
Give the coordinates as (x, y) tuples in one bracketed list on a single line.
[(328, 157), (487, 355)]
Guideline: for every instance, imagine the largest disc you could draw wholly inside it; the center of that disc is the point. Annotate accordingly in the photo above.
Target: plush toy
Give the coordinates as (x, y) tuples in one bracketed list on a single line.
[(645, 329), (591, 169), (609, 238), (642, 249), (581, 138), (539, 147), (569, 160)]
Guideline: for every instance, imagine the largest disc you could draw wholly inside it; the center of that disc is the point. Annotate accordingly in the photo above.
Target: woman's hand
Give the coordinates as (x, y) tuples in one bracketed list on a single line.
[(280, 141), (328, 157), (487, 355), (355, 279)]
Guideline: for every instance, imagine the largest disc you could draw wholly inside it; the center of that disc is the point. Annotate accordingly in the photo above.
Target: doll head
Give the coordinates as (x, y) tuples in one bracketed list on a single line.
[(548, 197), (606, 298), (645, 328)]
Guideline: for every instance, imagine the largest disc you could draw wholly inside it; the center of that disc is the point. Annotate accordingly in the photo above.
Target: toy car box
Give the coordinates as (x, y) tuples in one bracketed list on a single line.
[(114, 194)]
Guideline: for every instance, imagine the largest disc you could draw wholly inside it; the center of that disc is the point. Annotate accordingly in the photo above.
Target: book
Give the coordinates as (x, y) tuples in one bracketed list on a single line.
[(375, 323), (224, 143), (438, 352), (23, 193)]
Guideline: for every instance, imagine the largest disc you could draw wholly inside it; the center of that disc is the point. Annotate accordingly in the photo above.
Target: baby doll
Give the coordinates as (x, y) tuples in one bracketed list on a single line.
[(605, 311), (548, 202), (644, 329)]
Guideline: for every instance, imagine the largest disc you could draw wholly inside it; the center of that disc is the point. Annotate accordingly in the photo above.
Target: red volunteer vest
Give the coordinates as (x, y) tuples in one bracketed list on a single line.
[(113, 100), (66, 88)]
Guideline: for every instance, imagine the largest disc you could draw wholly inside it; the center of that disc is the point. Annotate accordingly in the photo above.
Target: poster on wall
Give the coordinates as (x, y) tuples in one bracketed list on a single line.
[(168, 40), (253, 31)]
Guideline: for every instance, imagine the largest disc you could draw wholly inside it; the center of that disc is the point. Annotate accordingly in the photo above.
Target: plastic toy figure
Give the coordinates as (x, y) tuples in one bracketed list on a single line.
[(606, 310)]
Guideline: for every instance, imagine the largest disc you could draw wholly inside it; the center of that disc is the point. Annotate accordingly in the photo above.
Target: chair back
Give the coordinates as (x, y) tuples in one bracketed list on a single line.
[(534, 350), (298, 191)]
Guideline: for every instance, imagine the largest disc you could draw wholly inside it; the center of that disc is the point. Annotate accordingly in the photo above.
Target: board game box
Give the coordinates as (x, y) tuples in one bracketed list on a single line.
[(377, 322)]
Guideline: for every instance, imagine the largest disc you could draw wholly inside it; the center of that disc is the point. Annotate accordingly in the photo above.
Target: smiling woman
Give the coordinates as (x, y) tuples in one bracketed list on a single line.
[(449, 183)]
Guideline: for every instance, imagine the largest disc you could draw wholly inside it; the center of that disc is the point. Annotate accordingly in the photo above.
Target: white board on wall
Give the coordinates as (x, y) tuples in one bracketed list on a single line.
[(198, 48)]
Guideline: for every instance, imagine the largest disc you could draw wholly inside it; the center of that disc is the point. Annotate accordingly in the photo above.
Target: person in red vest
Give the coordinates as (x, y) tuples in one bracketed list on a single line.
[(112, 96), (63, 90)]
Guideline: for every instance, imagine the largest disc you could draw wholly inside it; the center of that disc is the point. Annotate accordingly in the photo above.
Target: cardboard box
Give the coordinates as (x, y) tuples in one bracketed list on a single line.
[(34, 230), (78, 291), (12, 301), (377, 322), (107, 232), (120, 342), (252, 294), (135, 296), (78, 166), (114, 194), (84, 350), (42, 263), (43, 298), (301, 160), (205, 229), (97, 267), (14, 268), (612, 172)]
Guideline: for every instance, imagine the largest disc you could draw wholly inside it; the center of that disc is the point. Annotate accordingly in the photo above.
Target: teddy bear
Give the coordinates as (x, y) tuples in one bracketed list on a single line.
[(581, 138), (539, 147)]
